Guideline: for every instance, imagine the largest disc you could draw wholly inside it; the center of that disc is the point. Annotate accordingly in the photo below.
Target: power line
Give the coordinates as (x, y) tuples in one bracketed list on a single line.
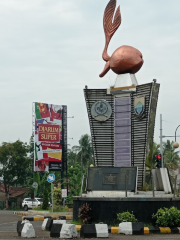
[(169, 122)]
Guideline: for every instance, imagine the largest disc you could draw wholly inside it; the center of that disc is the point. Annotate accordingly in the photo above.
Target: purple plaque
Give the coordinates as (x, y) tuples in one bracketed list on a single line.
[(123, 150), (123, 115), (122, 157), (123, 164), (123, 122), (123, 161), (125, 108), (123, 129), (122, 143), (122, 132), (122, 101), (122, 136)]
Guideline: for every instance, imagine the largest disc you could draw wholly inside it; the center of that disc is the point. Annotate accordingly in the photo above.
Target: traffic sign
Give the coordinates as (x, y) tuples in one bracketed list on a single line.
[(51, 178), (64, 193), (35, 185)]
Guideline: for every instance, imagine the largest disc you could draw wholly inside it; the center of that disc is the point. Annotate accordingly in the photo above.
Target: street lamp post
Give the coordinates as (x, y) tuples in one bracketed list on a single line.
[(176, 144), (161, 147)]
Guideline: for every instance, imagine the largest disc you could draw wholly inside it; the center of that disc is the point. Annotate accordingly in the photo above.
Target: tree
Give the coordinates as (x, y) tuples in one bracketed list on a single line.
[(74, 181), (84, 150), (45, 204), (150, 162), (16, 165), (57, 198), (71, 156), (171, 157)]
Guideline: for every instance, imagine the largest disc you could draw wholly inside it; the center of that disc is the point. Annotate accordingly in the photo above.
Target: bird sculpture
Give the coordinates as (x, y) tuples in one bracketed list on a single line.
[(125, 59)]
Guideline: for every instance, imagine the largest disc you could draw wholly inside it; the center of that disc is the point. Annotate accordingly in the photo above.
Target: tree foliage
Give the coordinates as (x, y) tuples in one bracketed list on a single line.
[(57, 198), (45, 204), (74, 181), (167, 217), (126, 217), (84, 152), (150, 162), (16, 165), (170, 155)]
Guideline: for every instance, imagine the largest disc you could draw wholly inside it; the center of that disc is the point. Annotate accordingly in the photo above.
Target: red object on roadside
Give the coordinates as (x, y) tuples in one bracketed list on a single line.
[(158, 156)]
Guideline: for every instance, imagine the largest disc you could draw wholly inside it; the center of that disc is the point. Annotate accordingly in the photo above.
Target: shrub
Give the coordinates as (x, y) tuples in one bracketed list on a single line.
[(57, 198), (167, 217), (126, 217), (45, 204), (85, 213)]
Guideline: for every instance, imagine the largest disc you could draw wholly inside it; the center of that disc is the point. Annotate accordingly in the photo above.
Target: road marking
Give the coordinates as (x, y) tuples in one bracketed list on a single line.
[(7, 223)]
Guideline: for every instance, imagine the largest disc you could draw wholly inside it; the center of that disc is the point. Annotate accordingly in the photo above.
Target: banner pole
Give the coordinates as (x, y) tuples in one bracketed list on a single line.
[(52, 195)]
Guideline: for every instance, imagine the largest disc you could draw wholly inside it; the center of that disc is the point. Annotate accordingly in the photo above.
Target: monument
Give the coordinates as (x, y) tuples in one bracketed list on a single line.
[(122, 118), (122, 121)]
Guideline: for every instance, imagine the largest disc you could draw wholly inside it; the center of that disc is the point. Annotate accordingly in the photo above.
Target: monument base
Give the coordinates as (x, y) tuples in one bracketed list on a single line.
[(105, 209)]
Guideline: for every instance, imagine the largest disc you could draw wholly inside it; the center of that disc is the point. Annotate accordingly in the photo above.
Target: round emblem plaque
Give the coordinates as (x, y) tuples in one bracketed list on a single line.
[(101, 110)]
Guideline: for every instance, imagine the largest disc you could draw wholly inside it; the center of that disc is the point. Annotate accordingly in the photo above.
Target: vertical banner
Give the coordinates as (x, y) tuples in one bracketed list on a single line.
[(48, 137), (122, 129)]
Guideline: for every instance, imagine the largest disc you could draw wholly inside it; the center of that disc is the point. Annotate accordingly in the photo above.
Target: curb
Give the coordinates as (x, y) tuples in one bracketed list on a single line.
[(38, 218), (174, 230), (20, 213), (68, 217), (41, 218), (147, 230), (47, 212)]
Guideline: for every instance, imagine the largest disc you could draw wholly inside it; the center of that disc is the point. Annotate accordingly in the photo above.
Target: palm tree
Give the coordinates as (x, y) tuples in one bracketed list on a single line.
[(171, 157), (71, 155), (168, 146), (84, 150), (150, 162)]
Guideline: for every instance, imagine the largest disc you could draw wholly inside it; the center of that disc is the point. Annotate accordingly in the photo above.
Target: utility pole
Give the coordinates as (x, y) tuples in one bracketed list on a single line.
[(161, 147)]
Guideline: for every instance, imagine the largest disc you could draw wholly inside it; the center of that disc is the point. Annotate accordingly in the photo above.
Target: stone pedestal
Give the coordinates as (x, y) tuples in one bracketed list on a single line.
[(125, 80)]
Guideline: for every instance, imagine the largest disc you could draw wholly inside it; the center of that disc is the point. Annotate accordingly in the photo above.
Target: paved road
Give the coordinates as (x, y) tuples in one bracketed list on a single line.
[(8, 223)]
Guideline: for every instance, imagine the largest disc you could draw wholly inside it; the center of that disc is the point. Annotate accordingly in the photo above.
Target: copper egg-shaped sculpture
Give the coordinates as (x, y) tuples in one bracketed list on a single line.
[(125, 59)]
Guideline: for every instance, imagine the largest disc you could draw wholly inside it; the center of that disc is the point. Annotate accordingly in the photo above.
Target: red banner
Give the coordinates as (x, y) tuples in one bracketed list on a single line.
[(48, 133)]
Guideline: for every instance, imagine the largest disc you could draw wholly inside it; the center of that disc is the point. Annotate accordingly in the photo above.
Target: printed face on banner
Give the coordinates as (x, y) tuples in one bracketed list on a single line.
[(48, 134)]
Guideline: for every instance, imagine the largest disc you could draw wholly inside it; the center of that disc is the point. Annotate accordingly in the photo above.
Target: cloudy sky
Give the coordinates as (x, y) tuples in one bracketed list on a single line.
[(51, 49)]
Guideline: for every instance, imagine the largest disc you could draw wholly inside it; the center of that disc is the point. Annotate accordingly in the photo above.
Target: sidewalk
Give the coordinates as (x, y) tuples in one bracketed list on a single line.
[(41, 214)]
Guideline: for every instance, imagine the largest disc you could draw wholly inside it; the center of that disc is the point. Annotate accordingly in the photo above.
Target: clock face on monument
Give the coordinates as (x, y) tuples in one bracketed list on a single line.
[(101, 110)]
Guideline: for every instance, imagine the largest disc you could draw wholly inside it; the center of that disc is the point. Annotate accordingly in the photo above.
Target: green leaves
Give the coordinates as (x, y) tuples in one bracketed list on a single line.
[(16, 164), (171, 157), (14, 158), (45, 204), (74, 181), (167, 217), (57, 198), (84, 152), (126, 217)]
